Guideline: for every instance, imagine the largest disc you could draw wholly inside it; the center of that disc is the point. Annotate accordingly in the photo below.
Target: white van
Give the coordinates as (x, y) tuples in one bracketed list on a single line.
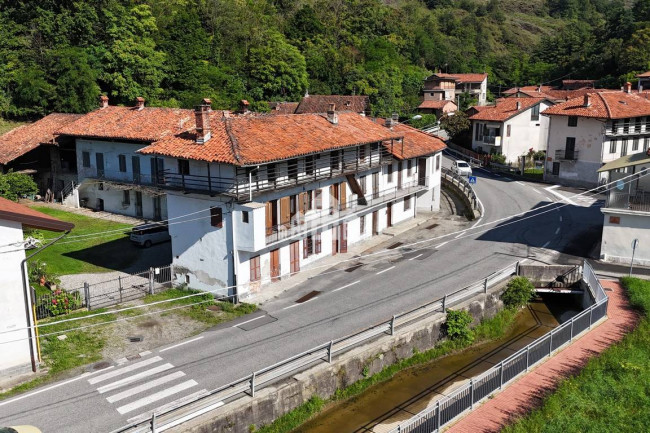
[(462, 168), (148, 234)]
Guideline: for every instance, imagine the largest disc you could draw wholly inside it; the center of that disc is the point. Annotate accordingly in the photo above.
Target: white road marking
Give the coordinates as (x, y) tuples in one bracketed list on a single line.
[(83, 376), (346, 286), (145, 386), (180, 344), (538, 192), (459, 235), (442, 244), (419, 255), (145, 353), (385, 270), (546, 244), (167, 406), (560, 218), (557, 231), (548, 198), (134, 378), (189, 417), (248, 321), (123, 370), (155, 397), (564, 198), (290, 306), (520, 182)]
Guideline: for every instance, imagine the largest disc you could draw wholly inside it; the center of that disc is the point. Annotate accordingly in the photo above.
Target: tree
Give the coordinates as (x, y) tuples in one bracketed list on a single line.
[(455, 124), (76, 82), (637, 54), (518, 293), (16, 185)]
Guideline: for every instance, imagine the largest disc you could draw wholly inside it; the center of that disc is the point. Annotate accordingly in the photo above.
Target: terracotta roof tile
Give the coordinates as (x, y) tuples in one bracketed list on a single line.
[(612, 104), (436, 105), (283, 107), (550, 92), (461, 78), (29, 217), (320, 103), (21, 140), (129, 123), (416, 143), (260, 139), (506, 108), (644, 75)]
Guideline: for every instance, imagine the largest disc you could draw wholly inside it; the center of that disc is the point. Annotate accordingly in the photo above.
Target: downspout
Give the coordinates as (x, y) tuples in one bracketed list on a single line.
[(235, 256), (28, 299)]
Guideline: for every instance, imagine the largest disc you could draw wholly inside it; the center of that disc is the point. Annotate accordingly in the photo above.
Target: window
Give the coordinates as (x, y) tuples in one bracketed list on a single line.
[(318, 194), (534, 113), (256, 273), (122, 163), (317, 243), (307, 246), (293, 169), (126, 197), (309, 200), (244, 216), (334, 160), (646, 144), (476, 130), (614, 127), (409, 167), (438, 158), (635, 144), (362, 225), (626, 126), (637, 124), (183, 167), (309, 165), (362, 153), (407, 202), (573, 120), (389, 173), (508, 130), (612, 146), (85, 156), (647, 124), (270, 173), (216, 217)]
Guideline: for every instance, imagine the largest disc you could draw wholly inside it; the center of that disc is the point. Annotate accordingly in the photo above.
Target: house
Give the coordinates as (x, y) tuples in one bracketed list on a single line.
[(31, 149), (447, 87), (19, 351), (511, 127), (320, 103), (570, 89), (586, 132), (271, 194), (644, 81), (627, 210), (439, 108), (283, 107), (112, 176)]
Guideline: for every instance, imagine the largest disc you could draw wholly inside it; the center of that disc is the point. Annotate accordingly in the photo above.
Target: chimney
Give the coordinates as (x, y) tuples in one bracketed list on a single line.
[(628, 87), (518, 105), (587, 101), (243, 106), (332, 117), (139, 103), (103, 101), (539, 88), (392, 120), (202, 113)]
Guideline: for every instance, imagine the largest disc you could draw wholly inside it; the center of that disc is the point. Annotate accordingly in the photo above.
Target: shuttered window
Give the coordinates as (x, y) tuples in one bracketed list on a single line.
[(216, 217), (256, 273)]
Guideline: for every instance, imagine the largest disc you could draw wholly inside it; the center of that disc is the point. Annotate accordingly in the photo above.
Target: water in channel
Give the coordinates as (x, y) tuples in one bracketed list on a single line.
[(381, 407)]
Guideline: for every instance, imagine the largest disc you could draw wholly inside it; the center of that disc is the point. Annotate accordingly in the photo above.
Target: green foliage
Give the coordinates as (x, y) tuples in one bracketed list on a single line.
[(457, 326), (295, 418), (62, 302), (455, 124), (16, 185), (498, 158), (425, 120), (518, 293)]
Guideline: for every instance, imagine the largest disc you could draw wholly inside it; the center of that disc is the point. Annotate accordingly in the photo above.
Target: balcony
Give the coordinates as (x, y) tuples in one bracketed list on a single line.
[(636, 200), (491, 139), (630, 129), (120, 176), (311, 221), (566, 155)]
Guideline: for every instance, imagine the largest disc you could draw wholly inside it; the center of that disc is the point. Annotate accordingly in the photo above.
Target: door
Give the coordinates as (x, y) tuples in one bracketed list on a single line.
[(157, 214), (334, 198), (343, 195), (275, 265), (569, 150), (422, 171), (294, 257), (624, 148), (285, 211), (99, 159), (135, 164), (343, 239), (100, 205), (375, 185), (375, 223), (556, 169), (302, 206), (271, 216), (293, 209), (138, 204), (335, 240), (399, 175), (157, 170), (389, 215)]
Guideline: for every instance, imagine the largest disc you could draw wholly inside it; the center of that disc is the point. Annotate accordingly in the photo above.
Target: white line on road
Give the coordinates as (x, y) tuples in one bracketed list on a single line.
[(145, 386), (557, 231), (145, 353), (157, 396), (538, 192), (560, 218), (180, 344), (546, 244), (134, 378), (123, 370), (167, 406), (385, 270), (290, 306), (459, 235), (419, 255), (189, 417), (248, 321), (548, 198), (346, 286), (441, 245), (520, 182), (83, 376), (563, 197)]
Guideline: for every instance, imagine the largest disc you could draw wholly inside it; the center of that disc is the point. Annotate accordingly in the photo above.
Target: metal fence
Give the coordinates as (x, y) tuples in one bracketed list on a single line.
[(636, 200), (127, 287), (482, 386), (463, 184), (323, 353)]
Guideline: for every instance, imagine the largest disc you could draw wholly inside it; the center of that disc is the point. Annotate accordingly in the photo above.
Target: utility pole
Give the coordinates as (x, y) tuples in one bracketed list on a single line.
[(635, 244)]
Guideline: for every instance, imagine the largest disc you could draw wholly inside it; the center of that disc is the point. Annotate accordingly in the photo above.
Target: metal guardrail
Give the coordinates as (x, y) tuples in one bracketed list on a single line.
[(484, 385), (463, 184), (322, 353)]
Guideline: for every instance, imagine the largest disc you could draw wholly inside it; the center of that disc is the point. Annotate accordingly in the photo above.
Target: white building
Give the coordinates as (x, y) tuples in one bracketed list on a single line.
[(19, 351), (267, 195), (447, 87), (512, 127), (627, 211), (588, 131)]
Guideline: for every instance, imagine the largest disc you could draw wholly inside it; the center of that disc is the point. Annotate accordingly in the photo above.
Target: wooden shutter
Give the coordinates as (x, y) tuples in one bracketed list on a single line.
[(319, 199), (302, 206), (269, 217), (285, 211), (305, 248), (317, 245), (343, 196)]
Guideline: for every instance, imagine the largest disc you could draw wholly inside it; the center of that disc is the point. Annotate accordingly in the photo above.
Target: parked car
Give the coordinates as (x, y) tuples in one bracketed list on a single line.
[(462, 168), (148, 234)]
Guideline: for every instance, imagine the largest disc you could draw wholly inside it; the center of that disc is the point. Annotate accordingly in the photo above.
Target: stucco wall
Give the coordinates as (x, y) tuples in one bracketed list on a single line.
[(617, 238)]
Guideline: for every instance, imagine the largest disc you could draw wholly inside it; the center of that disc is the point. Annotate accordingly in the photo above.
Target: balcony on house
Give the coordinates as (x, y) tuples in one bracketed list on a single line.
[(632, 126), (145, 179), (566, 155), (494, 140), (635, 199)]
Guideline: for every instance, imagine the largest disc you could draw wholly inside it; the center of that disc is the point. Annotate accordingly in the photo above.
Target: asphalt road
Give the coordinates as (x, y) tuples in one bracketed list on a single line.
[(347, 302)]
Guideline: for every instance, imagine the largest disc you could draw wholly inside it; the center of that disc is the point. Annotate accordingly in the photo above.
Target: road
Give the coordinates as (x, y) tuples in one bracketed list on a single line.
[(347, 302)]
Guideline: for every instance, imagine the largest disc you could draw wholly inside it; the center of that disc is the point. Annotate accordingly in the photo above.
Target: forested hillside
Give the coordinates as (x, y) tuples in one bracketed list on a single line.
[(59, 55)]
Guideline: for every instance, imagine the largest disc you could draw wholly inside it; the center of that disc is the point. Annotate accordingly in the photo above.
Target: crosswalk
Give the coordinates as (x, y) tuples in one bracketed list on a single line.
[(152, 381)]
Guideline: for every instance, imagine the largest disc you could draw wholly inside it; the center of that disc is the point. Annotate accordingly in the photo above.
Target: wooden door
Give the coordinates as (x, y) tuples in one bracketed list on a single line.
[(285, 211), (335, 240), (334, 198), (422, 171), (343, 195), (375, 185), (343, 238), (271, 216), (138, 204), (294, 257), (275, 265), (293, 209), (302, 206), (375, 223), (399, 175), (99, 160), (389, 215), (135, 165)]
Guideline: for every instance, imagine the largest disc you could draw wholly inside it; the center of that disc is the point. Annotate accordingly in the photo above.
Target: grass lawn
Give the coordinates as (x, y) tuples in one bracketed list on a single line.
[(90, 254), (612, 393), (536, 173)]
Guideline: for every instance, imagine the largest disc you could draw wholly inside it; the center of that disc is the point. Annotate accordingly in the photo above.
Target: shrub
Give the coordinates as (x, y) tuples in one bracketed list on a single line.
[(498, 158), (457, 326), (16, 185), (63, 302), (518, 292)]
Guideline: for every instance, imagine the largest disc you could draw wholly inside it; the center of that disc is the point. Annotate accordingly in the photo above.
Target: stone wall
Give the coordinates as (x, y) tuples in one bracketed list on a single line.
[(324, 379)]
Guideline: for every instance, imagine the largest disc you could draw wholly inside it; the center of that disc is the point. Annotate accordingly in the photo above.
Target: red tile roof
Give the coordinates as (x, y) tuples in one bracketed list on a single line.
[(612, 104), (283, 107), (320, 103), (644, 75), (21, 140), (29, 217), (129, 123), (550, 92), (416, 143), (505, 109), (436, 105), (260, 139), (461, 78)]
